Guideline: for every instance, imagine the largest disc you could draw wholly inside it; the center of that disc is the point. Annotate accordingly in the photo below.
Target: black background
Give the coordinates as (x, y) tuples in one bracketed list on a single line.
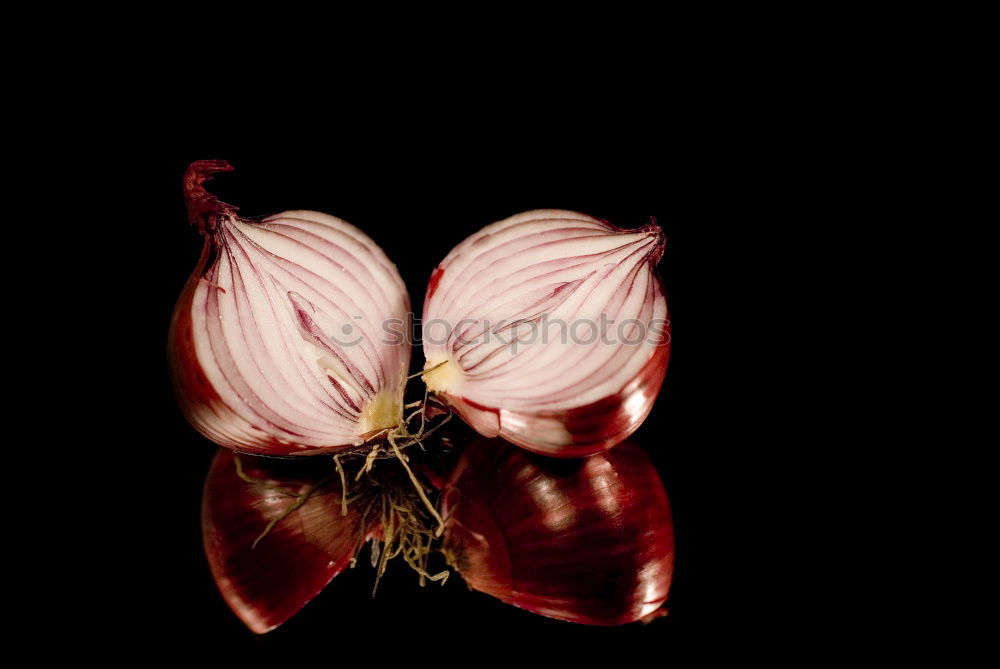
[(417, 198)]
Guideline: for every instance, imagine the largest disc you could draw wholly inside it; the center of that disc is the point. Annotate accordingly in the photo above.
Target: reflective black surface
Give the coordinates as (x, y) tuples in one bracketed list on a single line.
[(417, 204)]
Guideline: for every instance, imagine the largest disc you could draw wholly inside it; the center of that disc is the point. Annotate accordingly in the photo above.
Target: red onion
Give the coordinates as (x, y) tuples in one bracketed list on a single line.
[(283, 340), (267, 577), (589, 541), (550, 330)]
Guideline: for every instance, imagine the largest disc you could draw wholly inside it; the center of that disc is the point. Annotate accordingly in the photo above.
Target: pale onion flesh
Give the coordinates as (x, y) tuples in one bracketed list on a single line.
[(279, 342), (559, 397)]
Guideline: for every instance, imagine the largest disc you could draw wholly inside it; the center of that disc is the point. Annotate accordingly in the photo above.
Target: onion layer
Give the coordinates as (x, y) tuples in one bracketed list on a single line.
[(589, 541), (287, 339), (549, 329), (266, 582)]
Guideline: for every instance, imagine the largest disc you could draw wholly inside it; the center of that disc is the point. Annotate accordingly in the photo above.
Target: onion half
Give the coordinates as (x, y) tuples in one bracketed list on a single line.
[(283, 342), (589, 540), (268, 581), (550, 329)]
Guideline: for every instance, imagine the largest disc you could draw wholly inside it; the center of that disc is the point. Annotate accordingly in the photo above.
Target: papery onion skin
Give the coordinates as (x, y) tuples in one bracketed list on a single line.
[(278, 343), (587, 541), (268, 584), (543, 408)]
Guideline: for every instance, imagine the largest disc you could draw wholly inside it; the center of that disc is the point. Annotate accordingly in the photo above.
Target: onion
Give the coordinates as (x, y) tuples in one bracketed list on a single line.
[(549, 329), (288, 337), (589, 541), (266, 575)]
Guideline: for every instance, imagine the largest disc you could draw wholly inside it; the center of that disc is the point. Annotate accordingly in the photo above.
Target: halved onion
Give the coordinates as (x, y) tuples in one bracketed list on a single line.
[(592, 289), (288, 337)]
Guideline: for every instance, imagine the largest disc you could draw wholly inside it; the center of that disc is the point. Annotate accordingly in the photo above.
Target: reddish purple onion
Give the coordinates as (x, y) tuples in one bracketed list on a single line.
[(266, 582), (278, 343), (591, 289), (589, 541)]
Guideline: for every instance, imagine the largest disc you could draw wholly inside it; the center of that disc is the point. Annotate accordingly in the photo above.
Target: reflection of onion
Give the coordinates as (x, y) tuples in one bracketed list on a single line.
[(513, 335), (588, 541), (277, 343), (267, 584)]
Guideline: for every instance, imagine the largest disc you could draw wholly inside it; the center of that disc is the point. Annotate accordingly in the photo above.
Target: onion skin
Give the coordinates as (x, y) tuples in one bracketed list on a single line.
[(277, 344), (268, 584), (587, 541), (564, 423)]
